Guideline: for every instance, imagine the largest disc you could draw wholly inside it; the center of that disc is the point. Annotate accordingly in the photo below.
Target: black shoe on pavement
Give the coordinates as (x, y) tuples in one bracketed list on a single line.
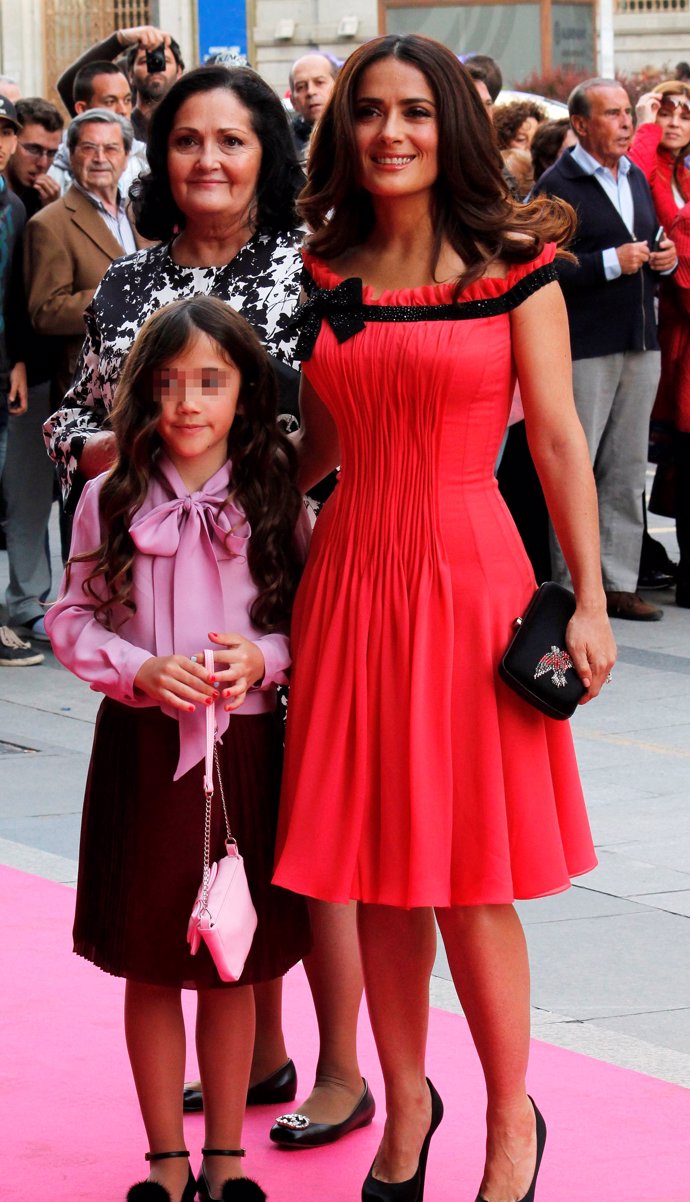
[(16, 652), (656, 579)]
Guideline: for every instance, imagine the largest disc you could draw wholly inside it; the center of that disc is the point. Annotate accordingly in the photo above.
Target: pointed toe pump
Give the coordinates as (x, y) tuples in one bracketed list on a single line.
[(411, 1190), (541, 1140), (153, 1191), (235, 1189)]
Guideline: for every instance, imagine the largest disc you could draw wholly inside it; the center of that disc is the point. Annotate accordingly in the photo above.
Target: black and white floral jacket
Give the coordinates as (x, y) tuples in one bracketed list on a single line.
[(262, 283)]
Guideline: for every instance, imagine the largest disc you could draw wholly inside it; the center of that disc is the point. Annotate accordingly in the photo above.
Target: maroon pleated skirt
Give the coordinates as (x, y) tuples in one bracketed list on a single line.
[(142, 850)]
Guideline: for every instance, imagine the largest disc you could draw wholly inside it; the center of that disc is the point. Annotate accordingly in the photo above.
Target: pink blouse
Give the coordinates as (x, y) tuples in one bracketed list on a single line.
[(190, 577)]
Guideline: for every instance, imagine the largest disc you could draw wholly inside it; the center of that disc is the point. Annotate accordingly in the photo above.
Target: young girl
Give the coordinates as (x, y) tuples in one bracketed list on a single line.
[(195, 538)]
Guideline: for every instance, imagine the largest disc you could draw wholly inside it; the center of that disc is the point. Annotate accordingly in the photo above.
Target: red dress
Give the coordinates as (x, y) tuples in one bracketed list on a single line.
[(413, 775)]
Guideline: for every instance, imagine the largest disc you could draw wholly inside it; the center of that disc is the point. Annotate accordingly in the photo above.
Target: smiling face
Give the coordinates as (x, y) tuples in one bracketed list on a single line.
[(522, 139), (214, 158), (198, 392), (395, 130), (674, 118), (607, 132)]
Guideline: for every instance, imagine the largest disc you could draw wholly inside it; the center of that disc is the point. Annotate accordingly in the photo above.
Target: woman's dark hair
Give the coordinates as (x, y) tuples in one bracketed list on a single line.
[(509, 117), (473, 208), (280, 175), (263, 459), (547, 143)]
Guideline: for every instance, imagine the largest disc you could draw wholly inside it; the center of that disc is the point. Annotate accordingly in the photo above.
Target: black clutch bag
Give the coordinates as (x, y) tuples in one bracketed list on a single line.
[(537, 664)]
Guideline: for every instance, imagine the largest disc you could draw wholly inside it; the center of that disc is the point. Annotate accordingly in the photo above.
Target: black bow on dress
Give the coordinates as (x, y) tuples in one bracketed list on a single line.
[(340, 306)]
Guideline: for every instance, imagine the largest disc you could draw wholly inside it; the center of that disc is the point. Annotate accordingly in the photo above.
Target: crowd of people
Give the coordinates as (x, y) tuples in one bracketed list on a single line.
[(214, 312)]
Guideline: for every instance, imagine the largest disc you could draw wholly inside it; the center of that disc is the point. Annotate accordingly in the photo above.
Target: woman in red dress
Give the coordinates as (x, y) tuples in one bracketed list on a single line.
[(416, 781)]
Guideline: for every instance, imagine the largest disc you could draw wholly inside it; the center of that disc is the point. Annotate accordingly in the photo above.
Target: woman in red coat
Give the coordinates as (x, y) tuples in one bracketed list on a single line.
[(660, 147), (661, 142), (672, 403)]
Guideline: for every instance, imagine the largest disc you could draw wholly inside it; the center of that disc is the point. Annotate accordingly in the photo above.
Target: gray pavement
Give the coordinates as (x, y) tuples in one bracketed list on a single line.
[(610, 957)]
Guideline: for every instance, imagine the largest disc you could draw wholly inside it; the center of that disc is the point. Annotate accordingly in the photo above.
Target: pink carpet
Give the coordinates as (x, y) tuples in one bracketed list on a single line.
[(71, 1130)]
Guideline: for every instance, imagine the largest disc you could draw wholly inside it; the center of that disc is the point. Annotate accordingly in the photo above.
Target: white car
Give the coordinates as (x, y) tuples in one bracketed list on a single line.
[(554, 108)]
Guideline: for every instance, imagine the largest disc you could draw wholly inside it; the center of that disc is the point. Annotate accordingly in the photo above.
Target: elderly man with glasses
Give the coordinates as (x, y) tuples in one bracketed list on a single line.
[(69, 245)]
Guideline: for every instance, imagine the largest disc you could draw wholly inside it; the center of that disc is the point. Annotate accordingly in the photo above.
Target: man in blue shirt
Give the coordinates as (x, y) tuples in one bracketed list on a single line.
[(609, 295)]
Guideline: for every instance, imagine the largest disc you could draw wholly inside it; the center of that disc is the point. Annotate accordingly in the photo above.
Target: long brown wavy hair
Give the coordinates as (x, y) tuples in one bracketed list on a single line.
[(472, 206), (263, 459)]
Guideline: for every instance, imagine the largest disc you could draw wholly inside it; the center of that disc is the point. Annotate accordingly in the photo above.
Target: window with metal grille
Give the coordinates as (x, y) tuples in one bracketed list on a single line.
[(71, 26)]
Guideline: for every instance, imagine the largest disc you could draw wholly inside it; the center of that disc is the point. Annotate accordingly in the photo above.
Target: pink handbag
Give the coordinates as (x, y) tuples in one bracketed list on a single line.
[(223, 914)]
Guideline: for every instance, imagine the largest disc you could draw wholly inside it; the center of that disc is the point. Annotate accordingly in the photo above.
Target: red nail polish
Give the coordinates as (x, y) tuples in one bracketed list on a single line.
[(213, 634), (208, 701), (212, 680)]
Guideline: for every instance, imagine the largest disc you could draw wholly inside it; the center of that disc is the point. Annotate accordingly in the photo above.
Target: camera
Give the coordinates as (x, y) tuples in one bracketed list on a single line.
[(155, 60)]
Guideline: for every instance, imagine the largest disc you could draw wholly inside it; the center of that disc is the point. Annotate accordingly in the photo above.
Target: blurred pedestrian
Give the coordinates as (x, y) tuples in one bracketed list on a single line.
[(37, 145), (550, 139), (15, 652), (517, 122), (312, 78)]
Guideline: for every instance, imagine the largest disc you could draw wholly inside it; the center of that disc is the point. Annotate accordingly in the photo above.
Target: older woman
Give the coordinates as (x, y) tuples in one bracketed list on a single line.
[(220, 195), (517, 122)]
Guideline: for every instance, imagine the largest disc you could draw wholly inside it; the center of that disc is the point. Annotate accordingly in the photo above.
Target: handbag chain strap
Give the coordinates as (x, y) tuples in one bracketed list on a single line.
[(211, 759)]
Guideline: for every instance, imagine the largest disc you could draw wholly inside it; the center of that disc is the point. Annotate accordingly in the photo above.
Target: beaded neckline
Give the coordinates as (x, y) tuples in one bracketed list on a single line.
[(346, 313)]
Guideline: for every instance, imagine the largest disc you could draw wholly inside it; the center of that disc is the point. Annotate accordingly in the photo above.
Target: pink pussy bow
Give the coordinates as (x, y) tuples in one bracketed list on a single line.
[(187, 537)]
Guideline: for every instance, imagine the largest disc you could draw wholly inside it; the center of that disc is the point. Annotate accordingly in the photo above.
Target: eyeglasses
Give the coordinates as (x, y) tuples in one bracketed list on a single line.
[(37, 152), (90, 149), (671, 104)]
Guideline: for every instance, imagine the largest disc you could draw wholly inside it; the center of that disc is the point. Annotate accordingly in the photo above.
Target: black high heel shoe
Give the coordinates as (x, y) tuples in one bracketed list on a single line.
[(153, 1191), (235, 1189), (541, 1140), (411, 1190)]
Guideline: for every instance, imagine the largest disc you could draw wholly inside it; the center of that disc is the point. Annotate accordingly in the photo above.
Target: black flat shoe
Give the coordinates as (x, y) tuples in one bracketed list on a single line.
[(235, 1189), (541, 1140), (280, 1086), (153, 1191), (297, 1131), (411, 1190)]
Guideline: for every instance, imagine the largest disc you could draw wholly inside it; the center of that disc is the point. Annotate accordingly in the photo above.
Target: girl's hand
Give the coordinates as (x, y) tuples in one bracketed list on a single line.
[(592, 648), (245, 667), (175, 680)]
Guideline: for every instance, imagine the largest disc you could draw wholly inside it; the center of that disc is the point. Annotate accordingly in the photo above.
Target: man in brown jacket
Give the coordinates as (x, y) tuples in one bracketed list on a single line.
[(70, 244)]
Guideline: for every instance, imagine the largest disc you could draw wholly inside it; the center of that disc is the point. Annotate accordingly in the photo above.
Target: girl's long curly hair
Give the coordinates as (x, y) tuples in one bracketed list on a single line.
[(472, 205), (263, 459)]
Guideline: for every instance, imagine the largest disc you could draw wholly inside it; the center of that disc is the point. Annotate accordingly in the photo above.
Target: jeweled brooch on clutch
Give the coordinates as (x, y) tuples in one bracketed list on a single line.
[(555, 661)]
